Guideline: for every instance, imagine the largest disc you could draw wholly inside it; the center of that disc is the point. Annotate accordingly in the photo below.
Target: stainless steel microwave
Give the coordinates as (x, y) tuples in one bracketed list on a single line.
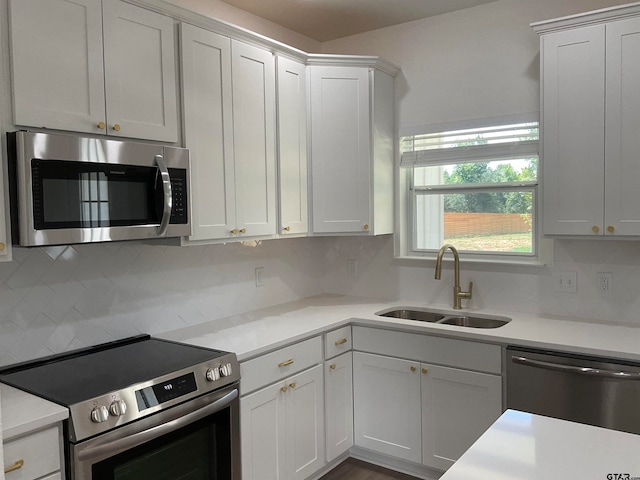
[(69, 189)]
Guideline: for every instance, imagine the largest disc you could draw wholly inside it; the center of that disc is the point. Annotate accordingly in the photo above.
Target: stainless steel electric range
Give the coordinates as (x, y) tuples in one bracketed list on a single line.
[(142, 408)]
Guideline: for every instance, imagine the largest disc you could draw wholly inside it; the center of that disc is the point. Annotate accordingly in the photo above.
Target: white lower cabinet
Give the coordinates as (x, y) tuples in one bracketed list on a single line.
[(282, 428), (418, 411), (386, 393), (338, 397), (457, 407), (36, 455)]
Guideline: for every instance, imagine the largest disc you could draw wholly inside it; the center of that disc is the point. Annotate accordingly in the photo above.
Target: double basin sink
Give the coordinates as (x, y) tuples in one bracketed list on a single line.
[(433, 316)]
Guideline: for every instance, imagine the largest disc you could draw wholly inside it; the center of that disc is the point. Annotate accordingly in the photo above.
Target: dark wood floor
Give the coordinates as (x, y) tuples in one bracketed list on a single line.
[(352, 469)]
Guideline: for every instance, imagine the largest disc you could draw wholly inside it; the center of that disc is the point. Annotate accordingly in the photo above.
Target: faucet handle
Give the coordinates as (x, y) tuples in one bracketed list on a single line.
[(467, 295)]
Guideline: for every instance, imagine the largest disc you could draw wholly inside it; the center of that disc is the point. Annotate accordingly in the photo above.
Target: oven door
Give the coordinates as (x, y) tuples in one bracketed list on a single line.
[(198, 439)]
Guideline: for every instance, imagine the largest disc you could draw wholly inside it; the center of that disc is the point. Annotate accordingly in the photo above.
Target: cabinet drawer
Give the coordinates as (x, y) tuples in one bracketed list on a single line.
[(424, 348), (337, 342), (40, 452), (274, 366)]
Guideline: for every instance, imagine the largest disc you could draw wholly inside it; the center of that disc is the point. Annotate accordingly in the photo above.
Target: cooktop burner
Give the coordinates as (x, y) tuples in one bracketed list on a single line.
[(126, 379)]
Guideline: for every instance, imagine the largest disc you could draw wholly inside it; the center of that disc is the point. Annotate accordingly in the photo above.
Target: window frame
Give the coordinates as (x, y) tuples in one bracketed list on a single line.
[(406, 220)]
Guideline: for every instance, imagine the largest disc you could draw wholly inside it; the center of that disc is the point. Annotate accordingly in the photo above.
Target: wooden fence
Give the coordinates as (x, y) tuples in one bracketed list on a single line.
[(474, 224)]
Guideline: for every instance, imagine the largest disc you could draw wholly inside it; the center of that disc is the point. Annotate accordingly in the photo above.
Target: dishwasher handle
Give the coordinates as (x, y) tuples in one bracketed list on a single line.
[(591, 372)]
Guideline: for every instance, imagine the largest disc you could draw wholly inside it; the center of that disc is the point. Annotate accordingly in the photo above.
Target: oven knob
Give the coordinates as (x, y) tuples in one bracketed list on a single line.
[(225, 370), (118, 408), (99, 414), (213, 374)]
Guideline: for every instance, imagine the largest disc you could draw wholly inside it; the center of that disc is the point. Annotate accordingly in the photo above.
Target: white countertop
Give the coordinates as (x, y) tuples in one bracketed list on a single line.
[(260, 331), (23, 412), (522, 446)]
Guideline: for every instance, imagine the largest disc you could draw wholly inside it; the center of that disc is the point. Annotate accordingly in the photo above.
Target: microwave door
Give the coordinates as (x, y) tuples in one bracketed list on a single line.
[(165, 182)]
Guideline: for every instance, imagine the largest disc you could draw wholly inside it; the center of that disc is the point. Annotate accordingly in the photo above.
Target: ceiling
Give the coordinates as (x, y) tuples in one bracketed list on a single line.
[(324, 20)]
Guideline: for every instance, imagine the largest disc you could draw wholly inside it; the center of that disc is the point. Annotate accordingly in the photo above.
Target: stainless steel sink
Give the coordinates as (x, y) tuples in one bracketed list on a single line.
[(425, 315), (412, 314), (474, 322)]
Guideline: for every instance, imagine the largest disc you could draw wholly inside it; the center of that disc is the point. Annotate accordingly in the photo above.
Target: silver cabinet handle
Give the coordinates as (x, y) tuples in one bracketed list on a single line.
[(592, 372), (166, 189)]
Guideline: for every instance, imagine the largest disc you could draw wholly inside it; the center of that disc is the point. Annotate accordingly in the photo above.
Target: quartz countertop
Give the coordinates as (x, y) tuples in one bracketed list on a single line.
[(522, 446), (23, 412), (264, 330)]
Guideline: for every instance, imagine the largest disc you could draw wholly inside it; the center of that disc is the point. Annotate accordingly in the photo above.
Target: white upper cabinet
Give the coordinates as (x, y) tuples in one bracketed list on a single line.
[(229, 127), (208, 131), (254, 139), (590, 119), (352, 138), (66, 77), (292, 146)]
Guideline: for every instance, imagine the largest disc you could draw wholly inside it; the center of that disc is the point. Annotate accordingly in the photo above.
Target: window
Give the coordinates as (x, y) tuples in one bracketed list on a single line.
[(474, 188)]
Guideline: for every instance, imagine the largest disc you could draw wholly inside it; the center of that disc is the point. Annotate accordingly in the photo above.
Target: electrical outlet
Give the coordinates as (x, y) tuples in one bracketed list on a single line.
[(259, 274), (604, 282), (566, 282), (352, 268)]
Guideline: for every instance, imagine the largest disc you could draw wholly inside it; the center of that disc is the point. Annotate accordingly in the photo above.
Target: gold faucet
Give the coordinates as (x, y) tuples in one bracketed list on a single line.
[(458, 294)]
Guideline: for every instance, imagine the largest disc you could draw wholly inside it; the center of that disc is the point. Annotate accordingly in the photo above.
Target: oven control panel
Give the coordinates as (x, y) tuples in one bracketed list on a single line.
[(114, 409)]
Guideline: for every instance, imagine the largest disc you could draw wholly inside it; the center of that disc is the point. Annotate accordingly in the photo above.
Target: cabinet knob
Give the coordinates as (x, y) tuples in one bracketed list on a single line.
[(234, 231), (366, 226), (286, 229), (610, 229), (292, 385), (116, 127), (16, 466), (2, 246), (332, 366), (101, 125), (342, 341), (595, 229), (425, 371), (243, 230), (283, 389), (413, 369)]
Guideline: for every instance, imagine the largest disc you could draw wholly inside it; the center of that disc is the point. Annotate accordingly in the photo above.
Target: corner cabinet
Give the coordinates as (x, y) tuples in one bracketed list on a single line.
[(93, 66), (229, 119), (590, 68), (352, 148)]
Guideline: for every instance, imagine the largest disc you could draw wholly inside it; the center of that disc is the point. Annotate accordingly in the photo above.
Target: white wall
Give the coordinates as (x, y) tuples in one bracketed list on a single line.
[(475, 63)]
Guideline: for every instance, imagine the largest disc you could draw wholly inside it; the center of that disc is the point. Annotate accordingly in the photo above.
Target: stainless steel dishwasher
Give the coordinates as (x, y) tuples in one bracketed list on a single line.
[(592, 390)]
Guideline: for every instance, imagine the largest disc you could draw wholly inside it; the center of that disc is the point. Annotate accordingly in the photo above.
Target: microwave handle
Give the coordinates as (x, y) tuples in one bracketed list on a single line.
[(166, 190)]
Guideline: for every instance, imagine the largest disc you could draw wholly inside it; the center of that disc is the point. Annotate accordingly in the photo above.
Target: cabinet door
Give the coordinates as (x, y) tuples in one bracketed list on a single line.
[(386, 395), (622, 126), (338, 375), (208, 131), (340, 148), (140, 66), (305, 424), (56, 64), (457, 407), (573, 92), (262, 433), (254, 139), (292, 146)]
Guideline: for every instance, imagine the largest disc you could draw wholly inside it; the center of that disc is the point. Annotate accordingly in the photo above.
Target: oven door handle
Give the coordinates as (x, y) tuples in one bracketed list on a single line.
[(166, 193), (592, 372), (138, 438)]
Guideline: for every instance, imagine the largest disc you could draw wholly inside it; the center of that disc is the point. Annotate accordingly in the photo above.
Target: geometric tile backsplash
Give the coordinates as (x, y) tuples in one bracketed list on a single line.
[(54, 299)]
